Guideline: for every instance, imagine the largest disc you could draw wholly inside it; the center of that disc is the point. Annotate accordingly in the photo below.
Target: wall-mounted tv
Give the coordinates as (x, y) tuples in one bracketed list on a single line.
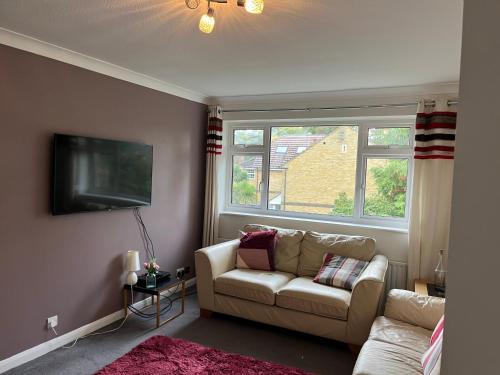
[(92, 174)]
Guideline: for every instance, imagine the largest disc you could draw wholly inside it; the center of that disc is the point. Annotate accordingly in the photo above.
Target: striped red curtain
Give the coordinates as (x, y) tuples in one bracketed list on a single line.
[(431, 190), (214, 136), (214, 149), (435, 135)]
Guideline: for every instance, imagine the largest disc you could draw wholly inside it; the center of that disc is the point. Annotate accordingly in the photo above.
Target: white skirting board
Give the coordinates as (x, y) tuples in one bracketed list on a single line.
[(57, 342)]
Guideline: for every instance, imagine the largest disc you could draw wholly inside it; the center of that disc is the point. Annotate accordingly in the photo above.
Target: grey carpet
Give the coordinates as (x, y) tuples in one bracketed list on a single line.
[(234, 335)]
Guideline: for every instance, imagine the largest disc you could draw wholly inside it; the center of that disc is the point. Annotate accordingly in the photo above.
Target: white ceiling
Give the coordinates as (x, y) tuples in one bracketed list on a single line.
[(295, 46)]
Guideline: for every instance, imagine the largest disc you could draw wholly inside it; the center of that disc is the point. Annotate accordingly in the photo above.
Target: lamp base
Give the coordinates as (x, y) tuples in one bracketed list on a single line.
[(131, 278)]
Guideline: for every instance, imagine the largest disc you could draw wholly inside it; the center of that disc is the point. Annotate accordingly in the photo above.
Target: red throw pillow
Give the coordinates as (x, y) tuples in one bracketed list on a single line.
[(256, 250)]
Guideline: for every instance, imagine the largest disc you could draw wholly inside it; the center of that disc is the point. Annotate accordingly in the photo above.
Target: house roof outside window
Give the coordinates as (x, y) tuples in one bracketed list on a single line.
[(284, 149)]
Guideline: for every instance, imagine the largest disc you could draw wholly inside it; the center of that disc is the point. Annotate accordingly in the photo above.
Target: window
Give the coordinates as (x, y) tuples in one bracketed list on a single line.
[(245, 190), (248, 137), (385, 189), (355, 172), (389, 137), (306, 182)]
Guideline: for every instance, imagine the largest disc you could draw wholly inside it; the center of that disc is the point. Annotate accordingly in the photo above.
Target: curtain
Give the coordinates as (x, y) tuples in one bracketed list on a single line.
[(432, 188), (214, 150)]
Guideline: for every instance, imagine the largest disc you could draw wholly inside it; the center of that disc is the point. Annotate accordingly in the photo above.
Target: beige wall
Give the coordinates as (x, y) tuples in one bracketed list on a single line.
[(472, 330)]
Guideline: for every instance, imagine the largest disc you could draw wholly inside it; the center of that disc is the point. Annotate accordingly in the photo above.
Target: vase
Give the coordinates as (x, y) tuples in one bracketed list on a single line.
[(151, 280), (440, 273)]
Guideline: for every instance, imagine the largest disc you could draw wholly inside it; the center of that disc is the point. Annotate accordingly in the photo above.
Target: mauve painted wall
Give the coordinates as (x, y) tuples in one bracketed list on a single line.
[(72, 265)]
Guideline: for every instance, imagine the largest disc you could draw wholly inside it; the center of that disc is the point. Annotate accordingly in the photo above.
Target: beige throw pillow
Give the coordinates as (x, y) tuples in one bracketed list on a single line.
[(315, 245), (287, 250)]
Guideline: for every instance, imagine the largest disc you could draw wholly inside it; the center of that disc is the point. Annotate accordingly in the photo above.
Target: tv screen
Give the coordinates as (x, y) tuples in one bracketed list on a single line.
[(92, 174)]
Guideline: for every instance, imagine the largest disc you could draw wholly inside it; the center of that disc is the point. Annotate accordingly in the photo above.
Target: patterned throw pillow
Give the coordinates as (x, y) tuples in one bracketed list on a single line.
[(340, 271), (256, 250), (431, 360), (439, 328)]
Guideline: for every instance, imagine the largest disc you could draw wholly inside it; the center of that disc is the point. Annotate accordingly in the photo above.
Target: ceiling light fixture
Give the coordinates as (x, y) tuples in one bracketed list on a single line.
[(207, 21)]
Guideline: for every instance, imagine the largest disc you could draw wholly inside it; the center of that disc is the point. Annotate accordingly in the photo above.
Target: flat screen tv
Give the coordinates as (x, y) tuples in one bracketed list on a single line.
[(92, 174)]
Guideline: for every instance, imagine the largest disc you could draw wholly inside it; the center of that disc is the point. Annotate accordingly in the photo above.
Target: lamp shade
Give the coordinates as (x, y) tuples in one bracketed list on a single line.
[(133, 263), (207, 22)]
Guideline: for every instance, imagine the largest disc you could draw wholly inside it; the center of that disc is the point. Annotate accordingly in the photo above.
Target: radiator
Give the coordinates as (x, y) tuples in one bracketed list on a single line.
[(396, 276), (394, 279)]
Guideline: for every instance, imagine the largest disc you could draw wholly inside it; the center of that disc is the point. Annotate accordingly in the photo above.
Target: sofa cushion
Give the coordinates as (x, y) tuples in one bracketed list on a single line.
[(303, 294), (410, 307), (287, 250), (401, 334), (382, 358), (253, 285), (315, 245)]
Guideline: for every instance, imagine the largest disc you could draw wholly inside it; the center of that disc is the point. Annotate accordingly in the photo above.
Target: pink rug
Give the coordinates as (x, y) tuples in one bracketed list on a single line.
[(164, 355)]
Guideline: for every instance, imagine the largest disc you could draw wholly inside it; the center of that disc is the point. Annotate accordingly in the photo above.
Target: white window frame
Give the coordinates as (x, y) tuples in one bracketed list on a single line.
[(364, 153)]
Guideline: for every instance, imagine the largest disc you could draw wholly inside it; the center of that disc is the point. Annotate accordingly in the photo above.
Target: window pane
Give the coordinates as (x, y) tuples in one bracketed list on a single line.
[(248, 137), (389, 137), (313, 169), (247, 180), (385, 191)]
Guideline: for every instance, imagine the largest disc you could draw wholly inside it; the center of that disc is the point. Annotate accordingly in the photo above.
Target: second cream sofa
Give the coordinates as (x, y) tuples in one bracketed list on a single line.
[(399, 339), (288, 297)]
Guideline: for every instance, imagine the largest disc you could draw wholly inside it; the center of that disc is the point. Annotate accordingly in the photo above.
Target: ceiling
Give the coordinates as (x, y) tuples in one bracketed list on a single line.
[(294, 46)]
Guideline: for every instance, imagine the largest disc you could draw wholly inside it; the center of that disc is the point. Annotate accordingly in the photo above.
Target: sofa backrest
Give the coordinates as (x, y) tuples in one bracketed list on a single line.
[(287, 252), (315, 245), (301, 253)]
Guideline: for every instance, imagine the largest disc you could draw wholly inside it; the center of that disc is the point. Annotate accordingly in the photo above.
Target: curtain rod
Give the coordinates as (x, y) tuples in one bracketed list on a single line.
[(308, 109)]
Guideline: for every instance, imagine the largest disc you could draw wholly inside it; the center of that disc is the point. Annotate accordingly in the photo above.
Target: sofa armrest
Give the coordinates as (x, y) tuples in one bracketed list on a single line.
[(412, 308), (365, 299), (210, 262)]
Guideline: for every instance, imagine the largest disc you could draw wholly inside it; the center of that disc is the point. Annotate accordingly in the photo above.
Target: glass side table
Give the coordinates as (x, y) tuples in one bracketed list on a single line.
[(160, 288)]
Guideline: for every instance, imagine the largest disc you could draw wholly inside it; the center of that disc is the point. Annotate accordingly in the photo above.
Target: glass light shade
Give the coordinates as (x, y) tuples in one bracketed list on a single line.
[(207, 22), (254, 6), (133, 263)]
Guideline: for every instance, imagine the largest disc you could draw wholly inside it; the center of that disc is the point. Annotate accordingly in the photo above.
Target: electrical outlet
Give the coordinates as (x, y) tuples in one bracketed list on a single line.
[(180, 272), (52, 322)]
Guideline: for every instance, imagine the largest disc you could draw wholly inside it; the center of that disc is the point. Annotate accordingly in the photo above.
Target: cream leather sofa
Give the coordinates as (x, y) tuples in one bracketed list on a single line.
[(288, 297), (398, 339)]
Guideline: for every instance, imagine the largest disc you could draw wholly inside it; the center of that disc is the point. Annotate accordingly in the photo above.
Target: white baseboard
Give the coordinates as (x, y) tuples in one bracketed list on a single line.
[(57, 342)]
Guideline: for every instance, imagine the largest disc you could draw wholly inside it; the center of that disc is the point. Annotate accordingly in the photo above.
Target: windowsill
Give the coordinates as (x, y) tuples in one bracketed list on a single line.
[(338, 223)]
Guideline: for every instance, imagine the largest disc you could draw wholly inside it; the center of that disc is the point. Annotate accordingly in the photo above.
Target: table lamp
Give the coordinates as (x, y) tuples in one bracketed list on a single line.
[(133, 265)]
